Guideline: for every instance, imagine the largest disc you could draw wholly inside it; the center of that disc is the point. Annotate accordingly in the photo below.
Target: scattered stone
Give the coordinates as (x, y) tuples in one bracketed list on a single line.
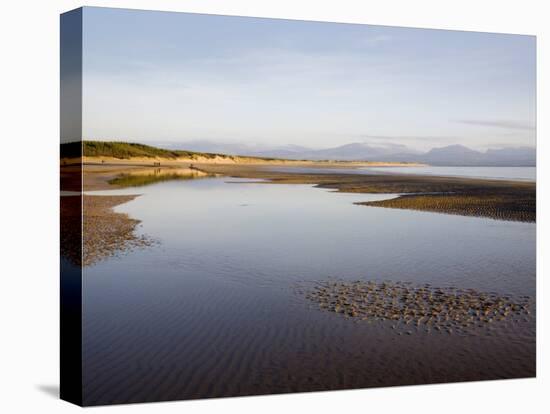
[(451, 309), (92, 231)]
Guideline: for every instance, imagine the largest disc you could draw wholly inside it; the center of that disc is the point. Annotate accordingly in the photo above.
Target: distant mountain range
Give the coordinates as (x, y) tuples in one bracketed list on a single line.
[(452, 155), (458, 155)]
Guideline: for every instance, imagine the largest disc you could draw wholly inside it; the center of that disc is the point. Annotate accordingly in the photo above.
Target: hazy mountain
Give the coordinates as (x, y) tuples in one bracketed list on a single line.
[(513, 156), (347, 152), (356, 151), (211, 146), (462, 156), (286, 151), (452, 155)]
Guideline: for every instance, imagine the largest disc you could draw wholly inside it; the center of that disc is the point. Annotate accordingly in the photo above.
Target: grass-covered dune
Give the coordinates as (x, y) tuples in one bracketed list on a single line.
[(129, 150)]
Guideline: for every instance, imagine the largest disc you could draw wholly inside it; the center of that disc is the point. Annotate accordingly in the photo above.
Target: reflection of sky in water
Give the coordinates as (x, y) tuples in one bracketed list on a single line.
[(294, 232), (212, 310), (501, 173)]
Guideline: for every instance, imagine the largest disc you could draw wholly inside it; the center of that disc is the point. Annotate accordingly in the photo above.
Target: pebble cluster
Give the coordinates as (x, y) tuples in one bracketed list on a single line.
[(440, 309), (106, 233)]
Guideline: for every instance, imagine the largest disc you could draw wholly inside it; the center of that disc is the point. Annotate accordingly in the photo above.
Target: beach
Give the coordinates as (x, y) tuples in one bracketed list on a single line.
[(271, 282), (255, 206), (497, 199), (107, 232)]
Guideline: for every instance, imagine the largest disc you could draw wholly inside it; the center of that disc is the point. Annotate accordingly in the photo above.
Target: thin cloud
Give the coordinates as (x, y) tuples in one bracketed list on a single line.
[(498, 124), (376, 40)]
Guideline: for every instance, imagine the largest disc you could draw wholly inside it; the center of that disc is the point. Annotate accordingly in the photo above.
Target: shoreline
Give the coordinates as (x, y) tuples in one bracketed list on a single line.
[(104, 233), (485, 198), (237, 160), (497, 199)]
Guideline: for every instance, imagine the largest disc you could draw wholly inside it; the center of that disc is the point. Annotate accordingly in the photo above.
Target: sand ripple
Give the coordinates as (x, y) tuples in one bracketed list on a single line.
[(441, 309)]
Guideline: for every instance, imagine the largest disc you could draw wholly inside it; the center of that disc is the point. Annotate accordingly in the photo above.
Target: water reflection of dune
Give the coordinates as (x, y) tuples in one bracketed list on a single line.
[(141, 177)]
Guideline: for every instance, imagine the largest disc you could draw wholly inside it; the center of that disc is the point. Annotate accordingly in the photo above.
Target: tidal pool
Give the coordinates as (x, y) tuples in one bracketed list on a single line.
[(218, 306)]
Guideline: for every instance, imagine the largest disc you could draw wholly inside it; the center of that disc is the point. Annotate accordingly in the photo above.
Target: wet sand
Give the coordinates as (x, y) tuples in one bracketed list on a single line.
[(110, 232), (263, 345), (495, 199), (100, 175), (71, 228), (443, 309), (258, 337), (107, 233), (100, 232)]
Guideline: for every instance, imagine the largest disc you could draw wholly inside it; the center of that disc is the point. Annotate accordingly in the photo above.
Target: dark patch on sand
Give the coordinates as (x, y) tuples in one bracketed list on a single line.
[(431, 308), (105, 232), (508, 206), (92, 231)]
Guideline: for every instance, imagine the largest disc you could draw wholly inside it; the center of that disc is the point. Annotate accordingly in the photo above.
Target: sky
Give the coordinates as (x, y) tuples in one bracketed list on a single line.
[(177, 77)]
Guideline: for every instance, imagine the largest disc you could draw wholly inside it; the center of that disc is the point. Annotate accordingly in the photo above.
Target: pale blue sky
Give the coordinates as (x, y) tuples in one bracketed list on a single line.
[(158, 76)]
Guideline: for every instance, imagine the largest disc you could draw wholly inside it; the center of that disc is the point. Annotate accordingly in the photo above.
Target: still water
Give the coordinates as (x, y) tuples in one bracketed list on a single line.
[(497, 173), (216, 307)]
